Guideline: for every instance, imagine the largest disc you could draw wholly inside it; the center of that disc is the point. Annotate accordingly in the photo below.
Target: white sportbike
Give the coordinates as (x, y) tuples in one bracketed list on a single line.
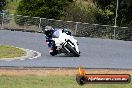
[(66, 44)]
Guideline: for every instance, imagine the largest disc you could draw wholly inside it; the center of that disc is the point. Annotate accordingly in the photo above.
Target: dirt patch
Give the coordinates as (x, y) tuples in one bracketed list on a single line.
[(66, 72)]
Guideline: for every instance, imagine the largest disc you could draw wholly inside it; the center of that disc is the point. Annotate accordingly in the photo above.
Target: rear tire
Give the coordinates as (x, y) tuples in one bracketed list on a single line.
[(72, 50), (54, 53)]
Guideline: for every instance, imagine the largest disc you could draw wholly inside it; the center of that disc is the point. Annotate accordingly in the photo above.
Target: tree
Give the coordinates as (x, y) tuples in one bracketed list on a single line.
[(105, 14), (81, 12), (2, 4), (125, 13), (42, 8), (107, 8)]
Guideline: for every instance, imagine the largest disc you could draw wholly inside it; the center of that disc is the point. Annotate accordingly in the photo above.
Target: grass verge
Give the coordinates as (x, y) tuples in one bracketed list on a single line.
[(10, 52), (50, 82), (53, 78)]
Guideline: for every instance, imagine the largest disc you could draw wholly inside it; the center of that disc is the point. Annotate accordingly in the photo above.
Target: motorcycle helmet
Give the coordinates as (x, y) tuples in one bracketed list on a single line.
[(49, 31)]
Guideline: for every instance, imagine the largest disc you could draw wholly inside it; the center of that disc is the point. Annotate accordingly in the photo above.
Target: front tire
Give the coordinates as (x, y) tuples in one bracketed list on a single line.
[(72, 50)]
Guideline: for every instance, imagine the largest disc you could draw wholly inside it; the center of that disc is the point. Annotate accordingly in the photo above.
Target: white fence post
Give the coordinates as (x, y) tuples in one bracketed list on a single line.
[(115, 31), (76, 27), (40, 20), (3, 17)]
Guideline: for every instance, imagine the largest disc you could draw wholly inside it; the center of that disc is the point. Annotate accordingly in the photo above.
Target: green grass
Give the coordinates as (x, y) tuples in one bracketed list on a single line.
[(10, 52), (50, 82)]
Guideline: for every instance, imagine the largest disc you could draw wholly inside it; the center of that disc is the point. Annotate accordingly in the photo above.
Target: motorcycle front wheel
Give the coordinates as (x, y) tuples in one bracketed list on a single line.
[(72, 50)]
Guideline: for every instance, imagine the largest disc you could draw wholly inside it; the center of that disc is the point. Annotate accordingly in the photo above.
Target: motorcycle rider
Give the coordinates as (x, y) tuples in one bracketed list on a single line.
[(50, 33)]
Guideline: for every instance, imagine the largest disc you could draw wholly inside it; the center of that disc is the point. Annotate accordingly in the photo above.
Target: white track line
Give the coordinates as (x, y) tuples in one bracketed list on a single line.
[(38, 54)]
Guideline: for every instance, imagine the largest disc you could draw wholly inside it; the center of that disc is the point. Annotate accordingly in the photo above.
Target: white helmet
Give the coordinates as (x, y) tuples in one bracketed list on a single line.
[(49, 31)]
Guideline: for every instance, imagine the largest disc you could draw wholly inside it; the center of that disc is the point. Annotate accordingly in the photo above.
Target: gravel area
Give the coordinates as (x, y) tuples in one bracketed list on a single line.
[(64, 72)]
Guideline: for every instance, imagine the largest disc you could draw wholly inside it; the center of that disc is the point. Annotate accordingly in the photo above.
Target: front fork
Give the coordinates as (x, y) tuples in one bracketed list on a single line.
[(76, 44)]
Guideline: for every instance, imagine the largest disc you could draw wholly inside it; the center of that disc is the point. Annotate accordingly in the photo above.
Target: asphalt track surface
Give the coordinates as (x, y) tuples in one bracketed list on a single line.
[(95, 53)]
